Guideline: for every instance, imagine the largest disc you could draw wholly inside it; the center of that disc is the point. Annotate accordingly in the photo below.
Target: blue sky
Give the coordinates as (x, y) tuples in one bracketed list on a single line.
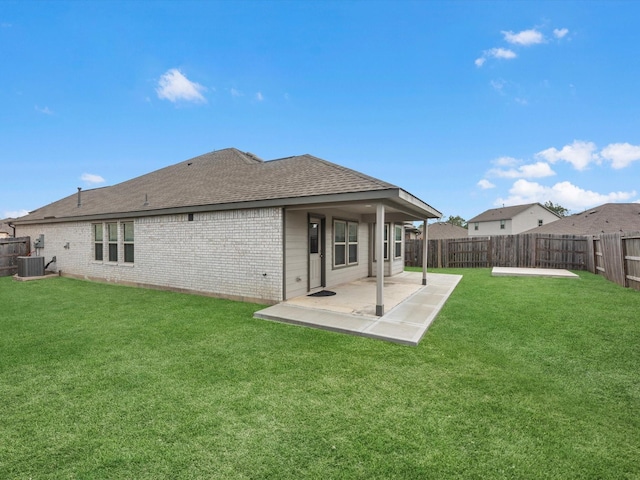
[(467, 105)]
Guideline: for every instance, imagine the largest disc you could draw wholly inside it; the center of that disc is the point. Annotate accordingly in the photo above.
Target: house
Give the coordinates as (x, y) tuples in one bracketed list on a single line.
[(510, 220), (411, 232), (607, 218), (231, 225), (6, 229), (445, 230)]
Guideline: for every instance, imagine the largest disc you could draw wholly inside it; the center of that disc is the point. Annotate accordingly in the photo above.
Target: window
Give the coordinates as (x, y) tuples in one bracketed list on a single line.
[(386, 241), (353, 243), (476, 226), (127, 235), (314, 245), (385, 244), (502, 224), (345, 243), (397, 241), (98, 238), (540, 222), (112, 232)]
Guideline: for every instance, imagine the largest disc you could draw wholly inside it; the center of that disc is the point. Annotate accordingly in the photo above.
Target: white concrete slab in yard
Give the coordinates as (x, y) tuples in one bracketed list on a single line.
[(532, 272)]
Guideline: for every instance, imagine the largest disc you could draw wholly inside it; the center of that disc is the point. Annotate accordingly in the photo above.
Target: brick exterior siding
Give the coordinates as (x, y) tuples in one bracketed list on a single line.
[(235, 254)]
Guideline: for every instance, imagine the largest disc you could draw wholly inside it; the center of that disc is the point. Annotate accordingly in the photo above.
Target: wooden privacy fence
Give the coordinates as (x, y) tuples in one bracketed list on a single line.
[(10, 250), (523, 250), (616, 256)]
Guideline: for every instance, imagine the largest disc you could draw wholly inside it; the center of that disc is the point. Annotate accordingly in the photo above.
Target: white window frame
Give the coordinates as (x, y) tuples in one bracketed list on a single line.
[(126, 242), (346, 243), (111, 242), (98, 241), (397, 243)]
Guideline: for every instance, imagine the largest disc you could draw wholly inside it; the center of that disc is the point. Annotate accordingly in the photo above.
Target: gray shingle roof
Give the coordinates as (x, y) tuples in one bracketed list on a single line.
[(606, 218), (503, 213), (221, 177), (444, 230)]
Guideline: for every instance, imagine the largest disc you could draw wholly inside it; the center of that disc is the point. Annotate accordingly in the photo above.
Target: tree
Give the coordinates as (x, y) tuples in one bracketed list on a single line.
[(458, 221), (557, 208)]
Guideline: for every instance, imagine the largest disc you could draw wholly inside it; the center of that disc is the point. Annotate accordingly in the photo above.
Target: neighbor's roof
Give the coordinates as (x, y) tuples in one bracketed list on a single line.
[(224, 177), (505, 213), (444, 230), (607, 218)]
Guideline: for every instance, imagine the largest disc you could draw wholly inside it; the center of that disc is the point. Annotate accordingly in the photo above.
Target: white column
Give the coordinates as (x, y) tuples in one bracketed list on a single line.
[(380, 259), (425, 251)]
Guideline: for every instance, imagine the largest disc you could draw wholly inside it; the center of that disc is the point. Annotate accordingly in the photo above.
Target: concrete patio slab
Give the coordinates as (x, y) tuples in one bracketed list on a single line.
[(410, 306), (532, 272)]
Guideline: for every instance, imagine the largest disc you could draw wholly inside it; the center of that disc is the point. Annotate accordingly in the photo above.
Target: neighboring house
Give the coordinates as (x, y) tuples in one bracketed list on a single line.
[(607, 218), (444, 230), (411, 232), (510, 220), (231, 225), (6, 230)]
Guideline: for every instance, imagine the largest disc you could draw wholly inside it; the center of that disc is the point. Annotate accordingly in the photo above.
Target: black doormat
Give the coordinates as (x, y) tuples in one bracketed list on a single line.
[(322, 293)]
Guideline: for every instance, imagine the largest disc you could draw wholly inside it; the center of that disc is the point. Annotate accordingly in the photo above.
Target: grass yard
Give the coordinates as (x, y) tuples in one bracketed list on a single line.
[(517, 378)]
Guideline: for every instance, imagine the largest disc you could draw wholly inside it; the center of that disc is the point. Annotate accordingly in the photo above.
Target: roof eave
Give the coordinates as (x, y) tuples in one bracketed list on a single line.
[(408, 202)]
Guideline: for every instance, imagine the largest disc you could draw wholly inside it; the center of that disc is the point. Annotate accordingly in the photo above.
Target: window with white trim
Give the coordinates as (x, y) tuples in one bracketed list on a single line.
[(502, 224), (385, 243), (98, 239), (397, 241), (345, 243), (112, 235), (127, 241)]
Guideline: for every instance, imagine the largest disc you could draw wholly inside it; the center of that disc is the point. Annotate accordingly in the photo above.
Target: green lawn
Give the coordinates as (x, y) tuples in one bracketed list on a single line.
[(516, 378)]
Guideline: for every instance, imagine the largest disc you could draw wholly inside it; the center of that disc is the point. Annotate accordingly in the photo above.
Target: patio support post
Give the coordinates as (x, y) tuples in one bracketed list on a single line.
[(425, 250), (380, 259)]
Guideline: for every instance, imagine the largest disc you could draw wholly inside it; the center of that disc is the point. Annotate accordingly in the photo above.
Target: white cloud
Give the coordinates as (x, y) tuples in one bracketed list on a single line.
[(579, 154), (560, 32), (91, 178), (565, 193), (534, 170), (236, 93), (500, 53), (525, 37), (14, 213), (503, 53), (259, 97), (485, 184), (174, 86), (498, 85), (44, 110), (621, 154), (505, 162)]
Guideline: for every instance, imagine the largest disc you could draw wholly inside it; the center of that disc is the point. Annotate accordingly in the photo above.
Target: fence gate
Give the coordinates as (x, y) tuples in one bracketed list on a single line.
[(10, 250)]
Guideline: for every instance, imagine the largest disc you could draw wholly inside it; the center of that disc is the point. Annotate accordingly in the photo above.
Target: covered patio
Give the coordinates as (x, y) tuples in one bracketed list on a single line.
[(411, 307)]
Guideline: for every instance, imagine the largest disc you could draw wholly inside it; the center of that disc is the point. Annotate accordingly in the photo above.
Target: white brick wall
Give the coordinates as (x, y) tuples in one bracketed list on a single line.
[(235, 254)]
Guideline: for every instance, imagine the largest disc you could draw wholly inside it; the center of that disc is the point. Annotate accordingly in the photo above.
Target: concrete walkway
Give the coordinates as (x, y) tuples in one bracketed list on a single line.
[(410, 308)]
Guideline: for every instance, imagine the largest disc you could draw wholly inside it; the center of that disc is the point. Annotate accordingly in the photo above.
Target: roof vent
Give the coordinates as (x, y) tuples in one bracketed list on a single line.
[(79, 197)]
